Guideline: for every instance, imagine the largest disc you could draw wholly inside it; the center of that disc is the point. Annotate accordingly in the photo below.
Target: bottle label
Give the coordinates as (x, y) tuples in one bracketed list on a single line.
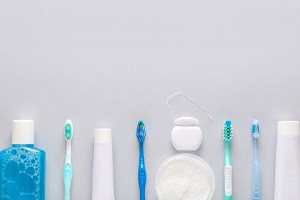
[(21, 174)]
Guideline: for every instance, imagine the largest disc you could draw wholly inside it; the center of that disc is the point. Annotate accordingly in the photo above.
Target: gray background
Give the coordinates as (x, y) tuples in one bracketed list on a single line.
[(109, 63)]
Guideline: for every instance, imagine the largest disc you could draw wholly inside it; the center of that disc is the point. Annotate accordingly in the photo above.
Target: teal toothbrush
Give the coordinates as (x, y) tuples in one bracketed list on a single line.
[(68, 171), (227, 136), (142, 176)]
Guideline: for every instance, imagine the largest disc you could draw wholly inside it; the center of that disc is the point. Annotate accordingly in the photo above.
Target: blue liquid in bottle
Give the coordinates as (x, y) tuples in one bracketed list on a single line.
[(22, 166)]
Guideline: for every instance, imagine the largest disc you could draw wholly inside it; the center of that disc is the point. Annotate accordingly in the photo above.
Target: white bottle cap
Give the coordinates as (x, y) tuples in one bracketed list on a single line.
[(23, 132), (103, 135), (288, 128)]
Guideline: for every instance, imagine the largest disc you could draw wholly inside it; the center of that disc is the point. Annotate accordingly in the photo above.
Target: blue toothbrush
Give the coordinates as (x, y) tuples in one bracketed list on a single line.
[(142, 176), (68, 171), (256, 193)]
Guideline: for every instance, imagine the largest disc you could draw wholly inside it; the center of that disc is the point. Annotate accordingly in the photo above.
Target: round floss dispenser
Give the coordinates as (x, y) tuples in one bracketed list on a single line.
[(186, 135), (185, 177)]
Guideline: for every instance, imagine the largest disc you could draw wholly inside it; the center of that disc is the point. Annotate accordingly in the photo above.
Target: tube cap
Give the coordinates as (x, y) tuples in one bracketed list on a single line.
[(103, 135), (23, 132), (288, 128)]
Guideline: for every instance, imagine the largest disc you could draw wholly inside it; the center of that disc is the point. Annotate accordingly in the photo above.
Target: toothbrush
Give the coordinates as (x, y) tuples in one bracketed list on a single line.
[(227, 136), (142, 176), (256, 193), (68, 171)]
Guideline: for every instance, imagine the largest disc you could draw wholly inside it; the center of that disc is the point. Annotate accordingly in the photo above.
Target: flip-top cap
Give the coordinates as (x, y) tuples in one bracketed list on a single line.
[(23, 132), (103, 135), (288, 128)]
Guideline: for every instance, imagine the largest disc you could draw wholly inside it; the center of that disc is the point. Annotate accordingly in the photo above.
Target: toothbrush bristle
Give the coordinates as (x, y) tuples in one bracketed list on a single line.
[(255, 129), (141, 131), (68, 130), (227, 132)]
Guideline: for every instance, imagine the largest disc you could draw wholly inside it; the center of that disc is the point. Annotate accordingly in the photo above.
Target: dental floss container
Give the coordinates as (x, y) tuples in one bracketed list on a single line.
[(186, 135), (185, 176)]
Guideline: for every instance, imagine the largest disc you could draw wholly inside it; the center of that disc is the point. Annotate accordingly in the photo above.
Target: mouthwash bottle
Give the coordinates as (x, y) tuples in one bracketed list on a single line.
[(22, 166)]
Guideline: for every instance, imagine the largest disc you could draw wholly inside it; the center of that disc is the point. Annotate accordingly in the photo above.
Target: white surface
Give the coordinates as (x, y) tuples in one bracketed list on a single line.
[(111, 63), (22, 132), (287, 170)]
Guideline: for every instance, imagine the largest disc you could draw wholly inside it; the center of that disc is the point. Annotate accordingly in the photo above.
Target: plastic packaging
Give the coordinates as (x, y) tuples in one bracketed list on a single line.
[(287, 170), (22, 174), (103, 178)]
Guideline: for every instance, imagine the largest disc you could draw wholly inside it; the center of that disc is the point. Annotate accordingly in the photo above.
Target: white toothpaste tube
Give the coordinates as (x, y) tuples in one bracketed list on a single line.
[(287, 169), (103, 178)]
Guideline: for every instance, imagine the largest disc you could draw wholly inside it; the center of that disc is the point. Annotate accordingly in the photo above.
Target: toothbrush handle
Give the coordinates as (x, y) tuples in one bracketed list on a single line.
[(228, 198), (228, 182), (256, 193), (68, 175), (142, 176), (228, 173)]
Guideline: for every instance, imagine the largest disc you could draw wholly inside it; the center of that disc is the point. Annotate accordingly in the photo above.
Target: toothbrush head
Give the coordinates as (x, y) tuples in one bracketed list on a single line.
[(227, 132), (141, 131), (68, 130), (255, 129)]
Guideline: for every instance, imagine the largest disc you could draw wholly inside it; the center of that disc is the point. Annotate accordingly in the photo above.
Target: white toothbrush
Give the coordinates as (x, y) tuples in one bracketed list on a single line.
[(68, 171)]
